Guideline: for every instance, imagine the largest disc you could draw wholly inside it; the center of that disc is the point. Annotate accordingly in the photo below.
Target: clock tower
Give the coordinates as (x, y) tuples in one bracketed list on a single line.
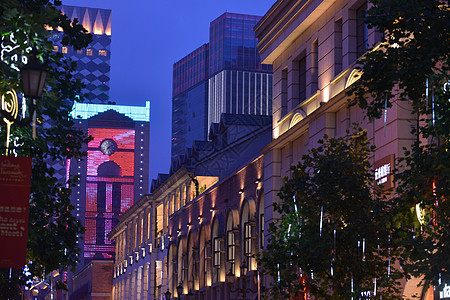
[(114, 173)]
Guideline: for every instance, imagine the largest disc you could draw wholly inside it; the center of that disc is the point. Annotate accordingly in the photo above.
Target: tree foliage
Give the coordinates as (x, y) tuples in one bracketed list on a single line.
[(411, 67), (332, 239), (53, 230)]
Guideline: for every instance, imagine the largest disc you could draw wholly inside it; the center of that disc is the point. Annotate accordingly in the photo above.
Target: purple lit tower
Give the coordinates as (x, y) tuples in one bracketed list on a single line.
[(223, 76)]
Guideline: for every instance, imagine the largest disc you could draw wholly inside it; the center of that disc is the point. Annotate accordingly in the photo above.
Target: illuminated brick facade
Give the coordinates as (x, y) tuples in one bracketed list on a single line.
[(114, 173)]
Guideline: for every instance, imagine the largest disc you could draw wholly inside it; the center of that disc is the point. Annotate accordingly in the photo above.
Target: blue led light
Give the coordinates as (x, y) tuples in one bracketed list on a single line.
[(87, 110)]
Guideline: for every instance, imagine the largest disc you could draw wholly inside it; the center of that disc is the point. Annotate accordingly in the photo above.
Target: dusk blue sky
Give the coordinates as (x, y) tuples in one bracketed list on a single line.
[(148, 36)]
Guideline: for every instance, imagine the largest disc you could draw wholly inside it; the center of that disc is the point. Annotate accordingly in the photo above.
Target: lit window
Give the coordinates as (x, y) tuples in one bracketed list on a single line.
[(80, 52), (247, 239), (89, 52), (231, 247), (55, 48), (217, 253), (64, 49), (102, 52)]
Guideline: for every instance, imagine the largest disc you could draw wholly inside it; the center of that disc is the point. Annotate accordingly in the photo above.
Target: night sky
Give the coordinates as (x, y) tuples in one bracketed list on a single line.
[(148, 36)]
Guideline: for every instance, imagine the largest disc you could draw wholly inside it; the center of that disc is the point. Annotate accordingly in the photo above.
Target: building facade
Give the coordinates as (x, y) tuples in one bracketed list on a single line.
[(114, 173), (222, 76), (94, 62), (162, 237), (313, 47)]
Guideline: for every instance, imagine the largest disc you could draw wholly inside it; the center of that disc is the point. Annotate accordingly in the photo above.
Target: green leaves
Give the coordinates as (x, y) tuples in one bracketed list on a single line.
[(332, 229), (411, 68), (53, 229)]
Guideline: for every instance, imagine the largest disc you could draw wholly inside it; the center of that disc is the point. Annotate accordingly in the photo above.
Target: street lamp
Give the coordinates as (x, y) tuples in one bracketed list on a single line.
[(179, 290), (33, 76), (242, 290), (167, 294)]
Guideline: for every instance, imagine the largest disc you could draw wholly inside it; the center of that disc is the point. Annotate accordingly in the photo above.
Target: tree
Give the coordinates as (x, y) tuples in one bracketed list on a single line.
[(411, 67), (332, 239), (53, 230)]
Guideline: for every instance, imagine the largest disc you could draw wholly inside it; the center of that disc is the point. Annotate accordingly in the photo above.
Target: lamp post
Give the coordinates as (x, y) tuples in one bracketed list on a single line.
[(244, 289), (33, 76), (167, 294), (179, 290)]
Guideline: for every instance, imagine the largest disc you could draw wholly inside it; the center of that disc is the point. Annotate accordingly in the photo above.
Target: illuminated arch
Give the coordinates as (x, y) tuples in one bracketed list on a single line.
[(297, 117), (354, 76)]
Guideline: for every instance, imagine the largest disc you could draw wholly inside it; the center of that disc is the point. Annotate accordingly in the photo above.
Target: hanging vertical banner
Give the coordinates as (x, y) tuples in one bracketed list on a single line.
[(15, 181)]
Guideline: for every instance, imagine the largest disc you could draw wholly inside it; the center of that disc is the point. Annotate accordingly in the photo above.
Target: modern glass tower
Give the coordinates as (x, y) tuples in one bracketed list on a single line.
[(223, 76)]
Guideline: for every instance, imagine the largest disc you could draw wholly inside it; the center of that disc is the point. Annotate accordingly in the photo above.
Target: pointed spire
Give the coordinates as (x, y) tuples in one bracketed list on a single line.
[(98, 25), (87, 21), (108, 25)]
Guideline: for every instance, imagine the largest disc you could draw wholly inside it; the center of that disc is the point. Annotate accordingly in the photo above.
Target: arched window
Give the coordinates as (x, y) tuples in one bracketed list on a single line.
[(231, 245), (247, 235), (204, 258), (149, 222), (172, 205), (261, 222), (177, 200), (217, 250), (135, 234), (183, 196), (181, 266), (133, 284), (141, 230), (145, 282), (172, 269), (139, 283), (192, 264)]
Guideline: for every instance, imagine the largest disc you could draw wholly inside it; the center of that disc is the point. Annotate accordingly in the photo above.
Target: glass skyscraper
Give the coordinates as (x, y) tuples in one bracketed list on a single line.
[(223, 76)]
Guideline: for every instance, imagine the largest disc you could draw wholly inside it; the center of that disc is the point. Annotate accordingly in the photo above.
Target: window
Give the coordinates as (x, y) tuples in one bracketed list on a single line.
[(148, 226), (102, 52), (231, 247), (141, 238), (89, 52), (64, 50), (247, 239), (361, 30), (302, 78), (338, 47), (314, 66), (284, 92), (80, 52), (55, 48), (217, 252), (135, 236), (261, 230)]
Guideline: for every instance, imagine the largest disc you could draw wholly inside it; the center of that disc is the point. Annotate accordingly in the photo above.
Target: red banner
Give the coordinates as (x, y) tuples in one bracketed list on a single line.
[(15, 181)]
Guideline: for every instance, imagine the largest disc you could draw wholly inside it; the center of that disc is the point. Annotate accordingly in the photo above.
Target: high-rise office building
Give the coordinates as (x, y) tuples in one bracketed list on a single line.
[(114, 173), (223, 76), (93, 63)]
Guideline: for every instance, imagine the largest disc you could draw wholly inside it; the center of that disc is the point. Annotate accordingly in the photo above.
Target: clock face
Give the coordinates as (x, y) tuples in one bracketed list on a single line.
[(108, 146)]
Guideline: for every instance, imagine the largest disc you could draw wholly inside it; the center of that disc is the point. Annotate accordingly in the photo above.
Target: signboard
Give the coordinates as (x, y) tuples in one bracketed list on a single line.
[(15, 181), (384, 168), (444, 292)]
